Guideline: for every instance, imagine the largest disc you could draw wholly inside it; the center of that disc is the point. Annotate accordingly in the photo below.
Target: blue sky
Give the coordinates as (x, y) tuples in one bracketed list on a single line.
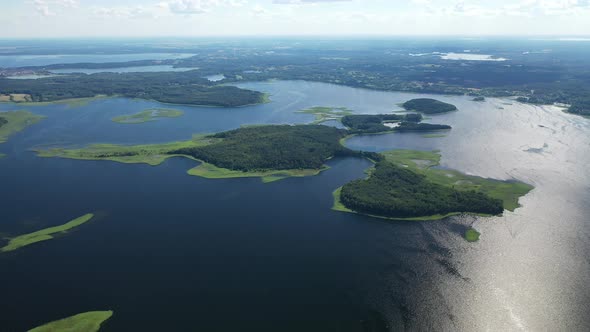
[(84, 18)]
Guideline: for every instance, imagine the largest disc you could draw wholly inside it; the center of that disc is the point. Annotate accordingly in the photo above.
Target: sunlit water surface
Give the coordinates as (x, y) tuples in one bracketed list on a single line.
[(173, 252)]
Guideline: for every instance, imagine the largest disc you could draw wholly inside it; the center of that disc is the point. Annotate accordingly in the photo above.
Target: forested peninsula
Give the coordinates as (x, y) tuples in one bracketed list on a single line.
[(405, 185), (269, 152), (167, 87)]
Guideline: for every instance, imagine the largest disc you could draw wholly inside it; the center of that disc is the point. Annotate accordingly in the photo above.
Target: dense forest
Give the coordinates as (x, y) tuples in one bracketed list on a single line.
[(167, 87), (396, 192), (410, 126), (366, 123), (371, 124), (428, 106), (277, 147)]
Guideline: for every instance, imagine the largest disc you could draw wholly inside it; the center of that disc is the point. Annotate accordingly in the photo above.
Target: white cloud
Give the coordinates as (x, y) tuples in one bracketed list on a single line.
[(191, 7), (299, 2), (48, 7)]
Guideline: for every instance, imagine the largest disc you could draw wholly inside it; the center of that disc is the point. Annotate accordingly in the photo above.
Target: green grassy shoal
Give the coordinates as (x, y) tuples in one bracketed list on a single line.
[(70, 102), (44, 234), (210, 171), (151, 154), (424, 161), (147, 115), (84, 322), (17, 121), (323, 114), (471, 235)]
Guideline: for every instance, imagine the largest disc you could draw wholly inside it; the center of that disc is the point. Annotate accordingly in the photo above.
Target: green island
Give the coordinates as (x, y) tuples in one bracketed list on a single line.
[(323, 114), (268, 152), (378, 123), (404, 185), (471, 235), (151, 114), (479, 98), (13, 122), (428, 106), (44, 234), (84, 322)]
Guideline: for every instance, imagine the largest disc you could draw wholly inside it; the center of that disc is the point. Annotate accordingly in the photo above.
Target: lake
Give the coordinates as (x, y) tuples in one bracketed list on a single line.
[(8, 61), (168, 251), (138, 69)]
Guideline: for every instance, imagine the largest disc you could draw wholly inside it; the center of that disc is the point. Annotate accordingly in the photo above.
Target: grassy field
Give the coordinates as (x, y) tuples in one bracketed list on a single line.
[(209, 171), (17, 121), (15, 98), (323, 114), (338, 206), (44, 234), (84, 322), (424, 161), (151, 114), (151, 154), (71, 102)]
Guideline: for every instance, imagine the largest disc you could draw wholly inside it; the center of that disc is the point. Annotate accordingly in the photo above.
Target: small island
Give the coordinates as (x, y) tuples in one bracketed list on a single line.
[(13, 122), (148, 115), (404, 185), (479, 98), (383, 123), (324, 114), (85, 322), (428, 106), (44, 234)]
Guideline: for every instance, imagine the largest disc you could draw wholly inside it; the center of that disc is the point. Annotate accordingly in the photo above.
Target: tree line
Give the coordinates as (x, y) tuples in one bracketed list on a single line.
[(396, 192)]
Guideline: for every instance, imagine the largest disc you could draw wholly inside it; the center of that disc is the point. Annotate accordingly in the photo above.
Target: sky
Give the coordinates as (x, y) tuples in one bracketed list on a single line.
[(144, 18)]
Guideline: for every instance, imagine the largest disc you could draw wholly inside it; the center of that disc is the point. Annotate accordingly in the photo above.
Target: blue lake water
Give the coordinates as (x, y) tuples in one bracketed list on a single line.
[(138, 69), (8, 61), (168, 251)]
